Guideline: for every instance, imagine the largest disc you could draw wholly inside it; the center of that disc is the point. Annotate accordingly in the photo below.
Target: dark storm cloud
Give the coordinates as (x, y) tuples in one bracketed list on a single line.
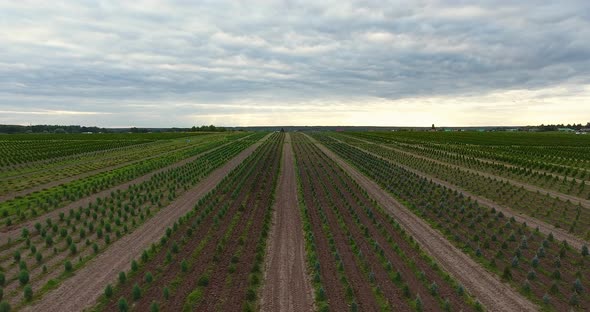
[(142, 58)]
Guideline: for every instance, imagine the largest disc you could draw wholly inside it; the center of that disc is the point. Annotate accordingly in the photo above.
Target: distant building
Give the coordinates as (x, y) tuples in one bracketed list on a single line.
[(565, 130)]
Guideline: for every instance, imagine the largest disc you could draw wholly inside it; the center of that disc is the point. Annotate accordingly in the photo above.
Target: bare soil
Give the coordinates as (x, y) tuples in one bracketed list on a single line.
[(330, 277), (490, 291), (287, 286), (82, 290)]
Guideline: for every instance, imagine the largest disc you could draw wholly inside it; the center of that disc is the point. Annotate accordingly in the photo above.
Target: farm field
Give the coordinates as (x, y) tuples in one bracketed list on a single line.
[(295, 221)]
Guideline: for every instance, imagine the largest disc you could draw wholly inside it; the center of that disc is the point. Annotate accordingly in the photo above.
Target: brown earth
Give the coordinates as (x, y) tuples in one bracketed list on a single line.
[(330, 239), (221, 295), (327, 186), (82, 290), (14, 231), (417, 287), (489, 290), (532, 222), (286, 286)]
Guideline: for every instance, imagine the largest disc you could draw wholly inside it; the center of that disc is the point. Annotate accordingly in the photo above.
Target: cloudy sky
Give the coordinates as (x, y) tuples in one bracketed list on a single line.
[(184, 63)]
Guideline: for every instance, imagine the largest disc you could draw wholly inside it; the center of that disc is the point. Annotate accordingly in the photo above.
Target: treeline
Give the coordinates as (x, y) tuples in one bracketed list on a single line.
[(18, 129), (555, 127), (11, 129), (210, 128)]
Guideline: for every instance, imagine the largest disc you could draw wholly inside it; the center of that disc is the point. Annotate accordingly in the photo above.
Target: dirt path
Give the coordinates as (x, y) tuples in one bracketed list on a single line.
[(287, 286), (532, 222), (82, 290), (83, 175), (584, 202), (489, 290), (14, 231)]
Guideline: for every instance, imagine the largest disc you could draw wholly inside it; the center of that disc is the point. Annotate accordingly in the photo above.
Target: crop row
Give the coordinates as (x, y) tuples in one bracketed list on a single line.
[(21, 209), (211, 259), (542, 179), (20, 149), (495, 139), (548, 272), (18, 152), (360, 254), (25, 178), (55, 248), (556, 158), (562, 214)]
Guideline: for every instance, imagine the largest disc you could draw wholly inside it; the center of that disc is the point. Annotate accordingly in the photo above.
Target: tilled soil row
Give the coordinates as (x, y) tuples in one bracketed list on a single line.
[(334, 289), (88, 283), (532, 222), (490, 291), (328, 195), (204, 241), (287, 286), (221, 295), (362, 288), (444, 290), (14, 231)]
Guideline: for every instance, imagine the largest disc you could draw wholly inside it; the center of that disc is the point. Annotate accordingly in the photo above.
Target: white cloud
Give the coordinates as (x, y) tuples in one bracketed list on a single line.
[(304, 62)]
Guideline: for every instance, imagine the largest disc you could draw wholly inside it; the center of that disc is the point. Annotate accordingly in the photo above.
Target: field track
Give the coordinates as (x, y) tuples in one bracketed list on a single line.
[(15, 230), (533, 222), (286, 284), (82, 290), (490, 291)]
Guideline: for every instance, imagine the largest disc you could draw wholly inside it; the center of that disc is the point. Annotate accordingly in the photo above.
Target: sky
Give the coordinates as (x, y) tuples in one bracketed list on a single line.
[(331, 62)]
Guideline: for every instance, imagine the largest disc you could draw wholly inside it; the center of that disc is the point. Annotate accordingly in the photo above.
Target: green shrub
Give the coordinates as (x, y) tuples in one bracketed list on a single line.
[(136, 292), (108, 291), (28, 291), (122, 277), (39, 257), (68, 266), (23, 277), (123, 306), (4, 306), (154, 307), (203, 281)]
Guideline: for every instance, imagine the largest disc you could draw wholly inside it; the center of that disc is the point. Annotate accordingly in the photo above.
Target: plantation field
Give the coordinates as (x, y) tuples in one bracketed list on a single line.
[(300, 221)]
